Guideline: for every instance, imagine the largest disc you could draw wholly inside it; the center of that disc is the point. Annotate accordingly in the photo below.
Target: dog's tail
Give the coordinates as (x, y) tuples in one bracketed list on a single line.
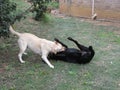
[(13, 31)]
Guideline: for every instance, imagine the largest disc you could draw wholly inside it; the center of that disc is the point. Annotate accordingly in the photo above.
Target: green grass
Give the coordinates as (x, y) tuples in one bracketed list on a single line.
[(102, 73)]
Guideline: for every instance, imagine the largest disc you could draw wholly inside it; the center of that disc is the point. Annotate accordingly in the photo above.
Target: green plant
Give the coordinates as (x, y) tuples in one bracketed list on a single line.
[(53, 5), (7, 16), (40, 8)]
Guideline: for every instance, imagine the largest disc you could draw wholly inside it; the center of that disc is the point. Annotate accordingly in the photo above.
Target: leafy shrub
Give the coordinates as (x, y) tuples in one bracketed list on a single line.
[(40, 8), (53, 5), (6, 16)]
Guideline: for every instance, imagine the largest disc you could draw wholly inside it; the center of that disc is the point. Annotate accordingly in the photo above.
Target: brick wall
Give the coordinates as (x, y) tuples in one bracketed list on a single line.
[(106, 9)]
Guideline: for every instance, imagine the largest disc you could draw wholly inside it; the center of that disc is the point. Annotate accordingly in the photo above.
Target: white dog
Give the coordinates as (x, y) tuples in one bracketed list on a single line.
[(39, 46)]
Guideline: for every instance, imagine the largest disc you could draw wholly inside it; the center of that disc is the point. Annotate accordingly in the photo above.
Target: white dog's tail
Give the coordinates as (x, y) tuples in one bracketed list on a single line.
[(13, 31)]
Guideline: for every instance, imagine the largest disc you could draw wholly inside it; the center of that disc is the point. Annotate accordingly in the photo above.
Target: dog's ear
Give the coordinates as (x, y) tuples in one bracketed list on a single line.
[(90, 47)]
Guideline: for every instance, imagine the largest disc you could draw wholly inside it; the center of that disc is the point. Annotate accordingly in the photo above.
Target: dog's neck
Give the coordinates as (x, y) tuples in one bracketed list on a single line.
[(53, 49)]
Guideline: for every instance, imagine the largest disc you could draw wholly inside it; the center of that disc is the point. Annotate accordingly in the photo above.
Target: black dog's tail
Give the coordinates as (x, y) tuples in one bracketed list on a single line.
[(61, 43)]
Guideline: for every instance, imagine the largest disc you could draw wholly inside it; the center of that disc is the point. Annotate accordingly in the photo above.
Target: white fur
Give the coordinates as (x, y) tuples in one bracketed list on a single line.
[(39, 46)]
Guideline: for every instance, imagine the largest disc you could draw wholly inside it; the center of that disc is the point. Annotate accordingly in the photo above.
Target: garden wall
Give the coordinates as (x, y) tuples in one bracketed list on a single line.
[(105, 9)]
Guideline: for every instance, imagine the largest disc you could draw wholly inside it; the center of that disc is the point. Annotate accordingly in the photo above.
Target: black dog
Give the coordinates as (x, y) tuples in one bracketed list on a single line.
[(72, 55)]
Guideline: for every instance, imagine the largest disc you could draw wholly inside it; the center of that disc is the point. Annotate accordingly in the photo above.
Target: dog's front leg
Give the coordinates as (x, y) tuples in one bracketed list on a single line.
[(44, 57), (81, 47)]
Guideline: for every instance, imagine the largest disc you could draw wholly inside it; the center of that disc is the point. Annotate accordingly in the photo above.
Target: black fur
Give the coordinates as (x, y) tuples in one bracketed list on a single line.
[(73, 55)]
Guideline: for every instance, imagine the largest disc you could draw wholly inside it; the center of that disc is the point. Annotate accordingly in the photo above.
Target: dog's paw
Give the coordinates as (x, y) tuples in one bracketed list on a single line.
[(25, 53), (22, 61), (52, 67), (56, 39), (69, 38)]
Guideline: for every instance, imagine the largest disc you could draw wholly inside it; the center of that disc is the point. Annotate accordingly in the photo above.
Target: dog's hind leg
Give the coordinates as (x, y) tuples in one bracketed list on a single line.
[(22, 46)]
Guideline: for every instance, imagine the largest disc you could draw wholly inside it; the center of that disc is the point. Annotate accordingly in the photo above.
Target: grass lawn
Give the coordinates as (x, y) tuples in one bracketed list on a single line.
[(102, 73)]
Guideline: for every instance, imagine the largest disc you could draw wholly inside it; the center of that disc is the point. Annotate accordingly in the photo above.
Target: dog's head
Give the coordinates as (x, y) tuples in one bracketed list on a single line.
[(58, 47), (92, 51)]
